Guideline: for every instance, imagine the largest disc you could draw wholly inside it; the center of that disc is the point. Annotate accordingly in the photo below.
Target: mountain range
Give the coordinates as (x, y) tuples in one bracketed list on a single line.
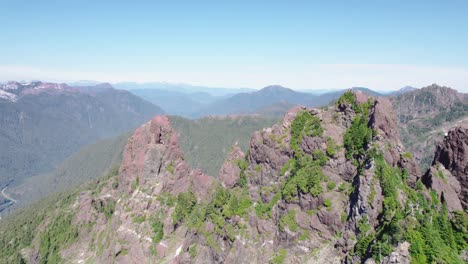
[(272, 100), (324, 185), (43, 123)]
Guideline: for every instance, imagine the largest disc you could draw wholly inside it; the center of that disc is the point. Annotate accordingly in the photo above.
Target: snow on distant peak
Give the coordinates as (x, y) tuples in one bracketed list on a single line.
[(8, 96), (10, 86)]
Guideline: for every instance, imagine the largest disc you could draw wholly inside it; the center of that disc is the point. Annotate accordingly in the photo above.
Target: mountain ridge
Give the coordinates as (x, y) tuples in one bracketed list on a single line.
[(291, 188)]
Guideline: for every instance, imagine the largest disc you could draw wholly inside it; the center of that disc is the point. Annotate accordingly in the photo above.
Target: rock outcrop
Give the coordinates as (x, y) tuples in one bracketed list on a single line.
[(448, 175), (153, 158), (230, 171)]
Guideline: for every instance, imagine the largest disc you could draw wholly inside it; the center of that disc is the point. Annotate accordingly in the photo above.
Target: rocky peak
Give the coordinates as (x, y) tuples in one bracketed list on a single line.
[(448, 175), (452, 152), (230, 171), (427, 100), (153, 157)]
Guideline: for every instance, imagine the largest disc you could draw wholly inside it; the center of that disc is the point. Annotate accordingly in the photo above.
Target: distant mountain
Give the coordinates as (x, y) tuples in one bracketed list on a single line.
[(43, 123), (336, 94), (273, 96), (183, 88), (245, 103), (403, 90), (176, 103), (425, 115)]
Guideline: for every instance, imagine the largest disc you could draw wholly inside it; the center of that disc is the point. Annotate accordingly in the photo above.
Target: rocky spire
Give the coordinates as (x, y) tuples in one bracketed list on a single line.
[(448, 175), (153, 157), (230, 171)]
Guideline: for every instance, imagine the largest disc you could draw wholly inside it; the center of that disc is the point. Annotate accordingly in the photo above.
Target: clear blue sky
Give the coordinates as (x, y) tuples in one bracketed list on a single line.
[(301, 44)]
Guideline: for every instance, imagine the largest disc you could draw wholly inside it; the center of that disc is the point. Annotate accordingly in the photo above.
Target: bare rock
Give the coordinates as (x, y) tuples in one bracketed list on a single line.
[(152, 157), (230, 171), (400, 256), (446, 186), (453, 154), (451, 181)]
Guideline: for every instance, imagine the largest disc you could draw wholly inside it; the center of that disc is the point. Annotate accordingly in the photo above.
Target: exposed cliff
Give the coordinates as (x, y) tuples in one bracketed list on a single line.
[(448, 175)]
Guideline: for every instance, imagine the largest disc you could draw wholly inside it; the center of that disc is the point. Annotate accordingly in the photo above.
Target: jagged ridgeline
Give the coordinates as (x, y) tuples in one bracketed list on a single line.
[(331, 185)]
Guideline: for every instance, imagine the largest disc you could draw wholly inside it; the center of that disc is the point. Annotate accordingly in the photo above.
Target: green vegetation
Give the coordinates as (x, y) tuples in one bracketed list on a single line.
[(170, 167), (304, 235), (327, 203), (306, 178), (279, 258), (223, 205), (331, 147), (347, 98), (193, 251), (243, 164), (407, 155), (306, 173), (304, 124), (50, 223), (289, 220), (320, 157), (357, 137), (158, 230), (288, 165), (106, 207), (342, 187), (264, 209), (434, 236), (59, 233), (139, 219), (331, 185), (185, 203), (135, 184)]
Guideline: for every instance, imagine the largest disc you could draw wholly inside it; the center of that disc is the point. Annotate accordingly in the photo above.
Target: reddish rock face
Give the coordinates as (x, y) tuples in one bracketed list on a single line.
[(451, 181), (453, 152), (152, 156), (383, 121), (230, 171), (360, 97)]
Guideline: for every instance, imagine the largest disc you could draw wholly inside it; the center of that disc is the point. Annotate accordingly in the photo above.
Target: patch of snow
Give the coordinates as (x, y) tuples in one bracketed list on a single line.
[(178, 251), (10, 86), (8, 96)]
